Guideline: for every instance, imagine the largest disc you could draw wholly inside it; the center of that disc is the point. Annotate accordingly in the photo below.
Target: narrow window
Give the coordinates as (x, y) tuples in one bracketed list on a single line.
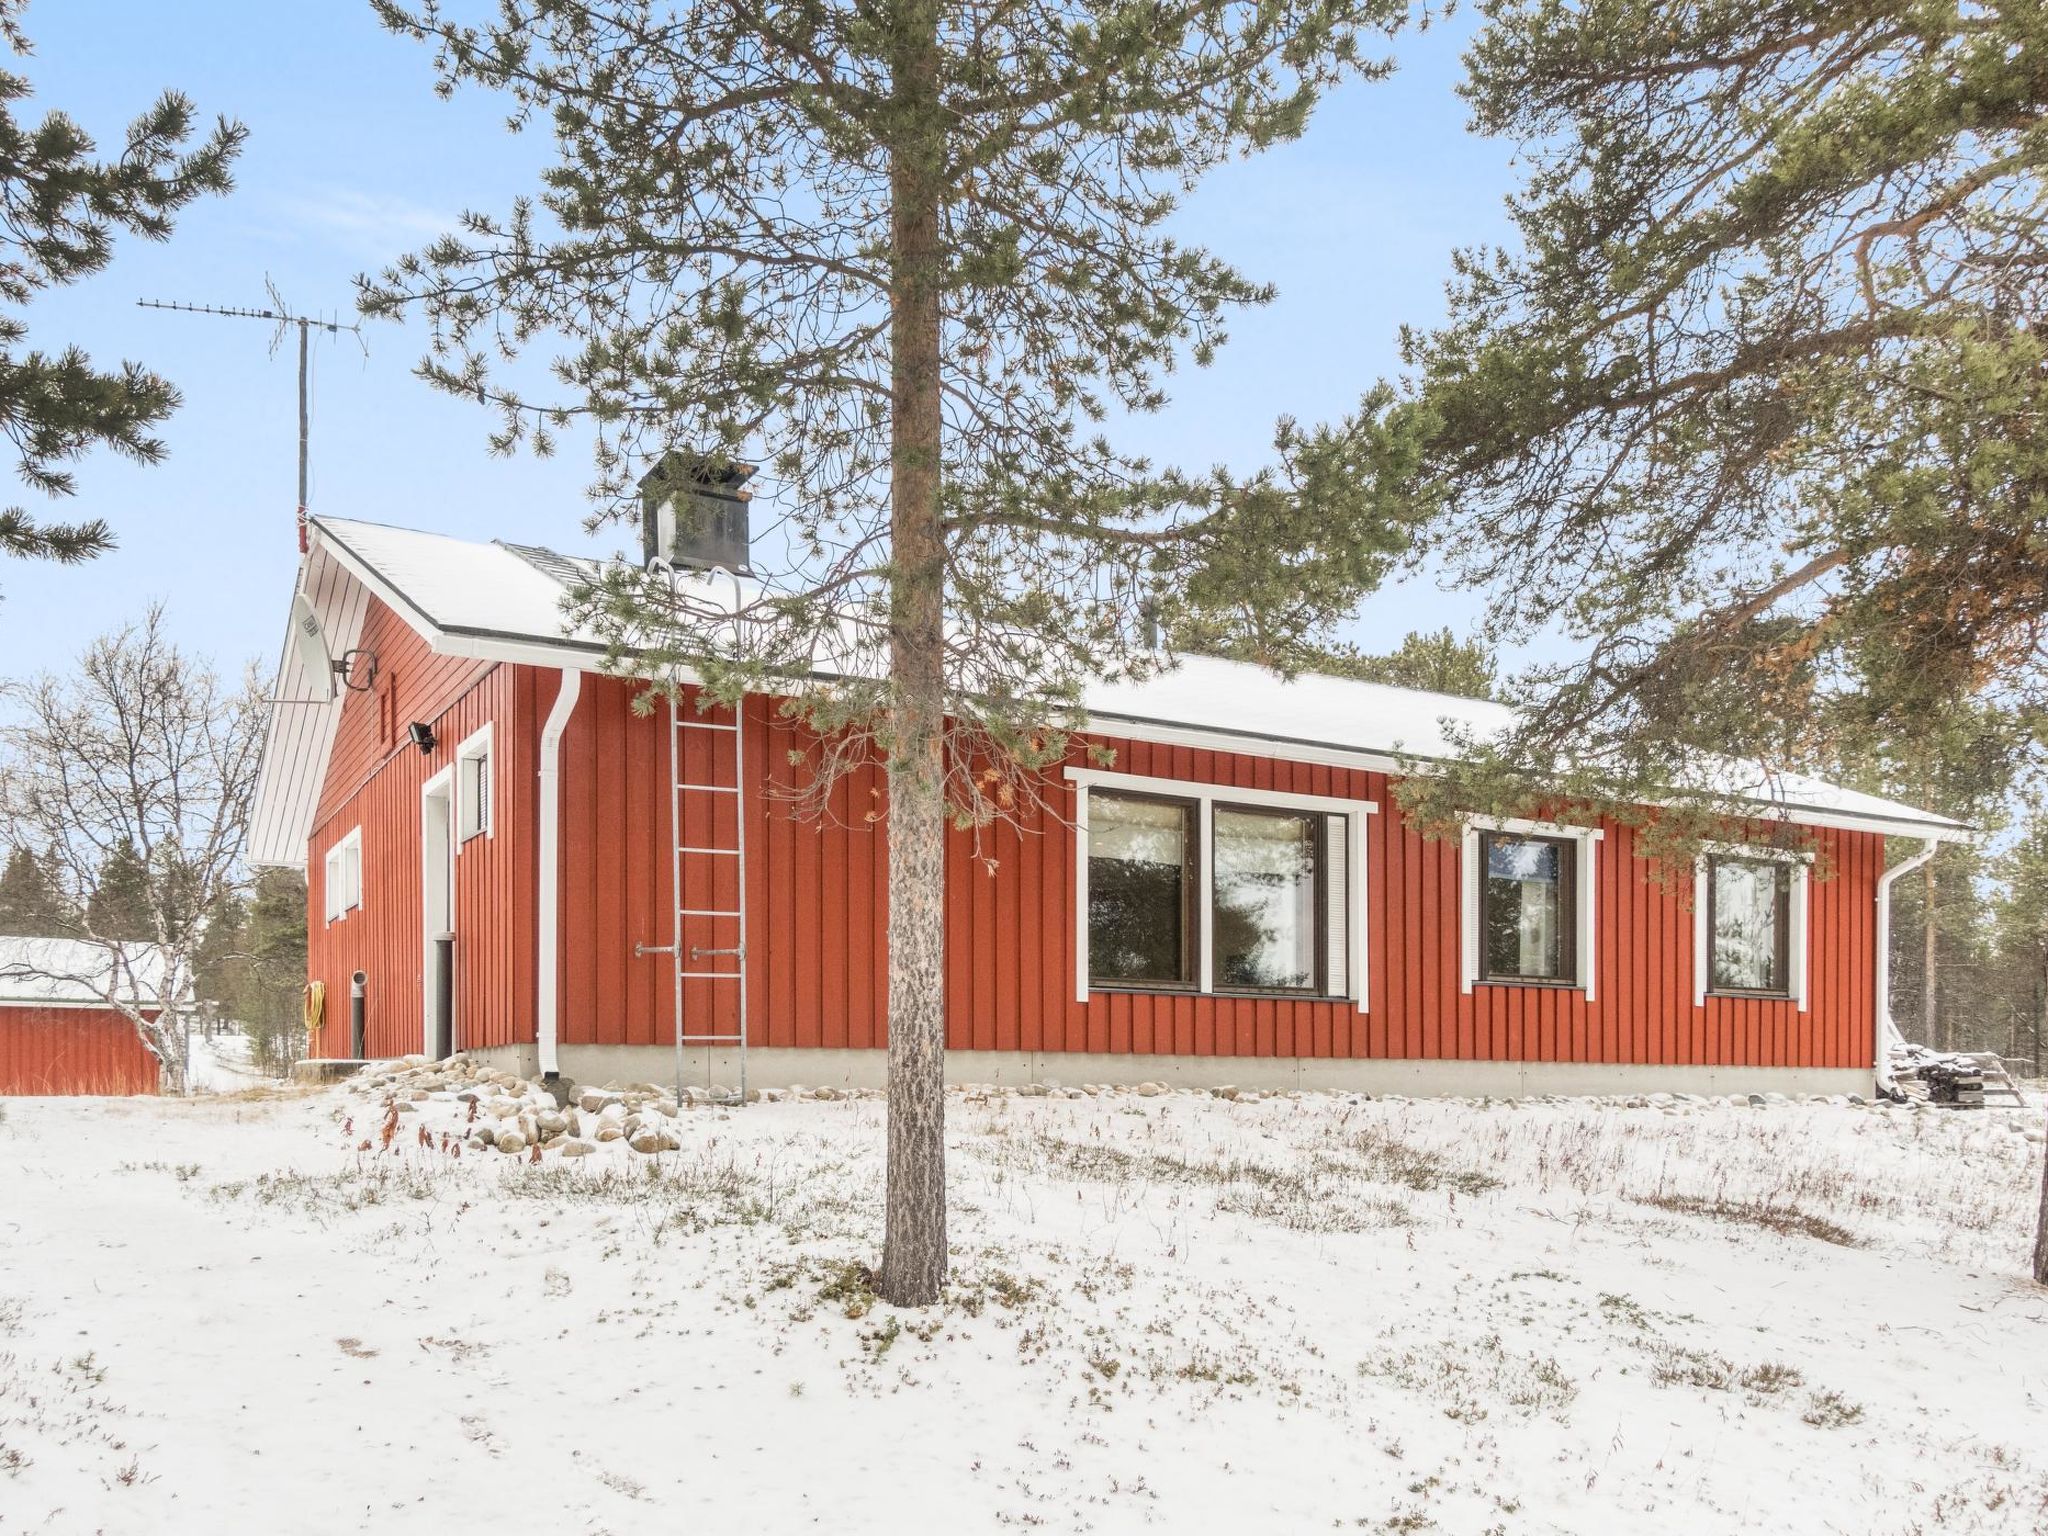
[(333, 882), (1527, 906), (1266, 918), (473, 785), (1749, 918), (344, 876), (1141, 859)]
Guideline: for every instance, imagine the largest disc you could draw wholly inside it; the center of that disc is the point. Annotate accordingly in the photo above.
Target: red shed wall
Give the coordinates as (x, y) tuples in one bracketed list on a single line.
[(374, 780), (818, 899), (71, 1051)]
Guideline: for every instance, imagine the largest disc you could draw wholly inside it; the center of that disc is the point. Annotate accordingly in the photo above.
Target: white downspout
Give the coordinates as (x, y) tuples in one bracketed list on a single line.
[(547, 902), (1888, 1032)]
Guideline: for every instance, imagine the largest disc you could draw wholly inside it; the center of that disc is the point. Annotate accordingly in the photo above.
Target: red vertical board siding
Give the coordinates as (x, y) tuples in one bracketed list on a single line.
[(817, 883), (47, 1051), (373, 782)]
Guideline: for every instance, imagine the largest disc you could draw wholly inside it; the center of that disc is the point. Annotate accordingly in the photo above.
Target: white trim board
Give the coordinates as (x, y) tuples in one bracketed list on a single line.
[(1585, 880), (1797, 949)]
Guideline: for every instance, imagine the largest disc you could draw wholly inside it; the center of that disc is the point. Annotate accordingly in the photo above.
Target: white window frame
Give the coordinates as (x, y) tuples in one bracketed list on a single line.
[(342, 876), (1585, 878), (1206, 797), (475, 747), (1796, 945)]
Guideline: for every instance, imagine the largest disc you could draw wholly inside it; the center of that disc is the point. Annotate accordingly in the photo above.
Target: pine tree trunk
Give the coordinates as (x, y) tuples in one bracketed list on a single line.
[(914, 1242), (1930, 1014)]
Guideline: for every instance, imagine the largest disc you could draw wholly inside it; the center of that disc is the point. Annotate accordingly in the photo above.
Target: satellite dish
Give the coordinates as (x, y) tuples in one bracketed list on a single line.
[(314, 659)]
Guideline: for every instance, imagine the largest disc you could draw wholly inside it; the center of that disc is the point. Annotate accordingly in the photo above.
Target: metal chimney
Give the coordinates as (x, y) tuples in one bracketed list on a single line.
[(694, 514)]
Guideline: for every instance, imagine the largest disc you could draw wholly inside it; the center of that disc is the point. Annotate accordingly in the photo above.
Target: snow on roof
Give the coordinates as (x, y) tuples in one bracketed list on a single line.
[(506, 601), (1379, 719), (457, 586), (47, 970)]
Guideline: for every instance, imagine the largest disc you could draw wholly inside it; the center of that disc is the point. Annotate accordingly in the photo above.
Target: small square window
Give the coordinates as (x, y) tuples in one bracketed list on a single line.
[(1749, 926), (1528, 908)]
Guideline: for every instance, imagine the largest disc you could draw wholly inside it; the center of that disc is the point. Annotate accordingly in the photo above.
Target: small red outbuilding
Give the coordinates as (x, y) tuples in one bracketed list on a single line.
[(58, 1033)]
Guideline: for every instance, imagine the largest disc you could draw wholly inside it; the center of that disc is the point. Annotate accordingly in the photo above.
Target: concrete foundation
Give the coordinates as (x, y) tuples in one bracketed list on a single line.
[(771, 1067)]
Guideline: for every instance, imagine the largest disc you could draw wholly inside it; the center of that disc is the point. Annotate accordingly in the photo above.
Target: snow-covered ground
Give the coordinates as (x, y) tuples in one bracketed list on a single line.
[(1170, 1311), (220, 1063)]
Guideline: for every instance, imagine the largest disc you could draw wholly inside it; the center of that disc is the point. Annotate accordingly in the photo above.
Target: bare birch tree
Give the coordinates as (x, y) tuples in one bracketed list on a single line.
[(141, 746)]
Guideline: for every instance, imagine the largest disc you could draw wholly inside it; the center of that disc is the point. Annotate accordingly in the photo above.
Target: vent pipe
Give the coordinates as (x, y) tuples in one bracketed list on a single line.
[(1888, 1032), (547, 895)]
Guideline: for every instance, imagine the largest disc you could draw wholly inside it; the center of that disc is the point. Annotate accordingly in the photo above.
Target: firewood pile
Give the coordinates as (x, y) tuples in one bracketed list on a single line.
[(1957, 1079)]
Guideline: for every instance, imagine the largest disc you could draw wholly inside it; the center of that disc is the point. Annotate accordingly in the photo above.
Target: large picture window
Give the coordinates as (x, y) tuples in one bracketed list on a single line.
[(1206, 895), (1528, 908), (1749, 926), (1141, 882), (1267, 921)]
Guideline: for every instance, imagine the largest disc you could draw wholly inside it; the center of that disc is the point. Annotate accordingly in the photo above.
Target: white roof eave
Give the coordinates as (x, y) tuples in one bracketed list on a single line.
[(1208, 703)]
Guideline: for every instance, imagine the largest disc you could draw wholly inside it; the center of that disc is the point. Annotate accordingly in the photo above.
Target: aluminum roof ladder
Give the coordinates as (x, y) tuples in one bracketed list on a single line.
[(707, 962)]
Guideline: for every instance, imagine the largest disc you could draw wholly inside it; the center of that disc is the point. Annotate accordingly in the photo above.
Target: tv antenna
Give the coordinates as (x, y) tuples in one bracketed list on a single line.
[(280, 314)]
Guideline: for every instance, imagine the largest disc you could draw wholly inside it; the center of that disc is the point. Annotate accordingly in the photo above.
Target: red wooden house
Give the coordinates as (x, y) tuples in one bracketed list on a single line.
[(495, 866)]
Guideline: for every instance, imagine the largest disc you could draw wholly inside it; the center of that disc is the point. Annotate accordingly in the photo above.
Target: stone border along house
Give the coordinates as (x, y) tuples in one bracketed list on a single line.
[(494, 866), (58, 1033)]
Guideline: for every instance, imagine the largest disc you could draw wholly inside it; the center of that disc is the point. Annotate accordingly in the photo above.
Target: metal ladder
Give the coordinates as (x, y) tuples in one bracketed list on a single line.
[(685, 960)]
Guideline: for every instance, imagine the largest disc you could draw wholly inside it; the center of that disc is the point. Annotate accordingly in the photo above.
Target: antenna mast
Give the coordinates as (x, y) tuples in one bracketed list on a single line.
[(280, 314)]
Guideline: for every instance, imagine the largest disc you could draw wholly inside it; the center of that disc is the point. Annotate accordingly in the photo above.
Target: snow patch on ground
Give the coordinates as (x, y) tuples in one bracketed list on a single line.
[(1169, 1311), (220, 1063)]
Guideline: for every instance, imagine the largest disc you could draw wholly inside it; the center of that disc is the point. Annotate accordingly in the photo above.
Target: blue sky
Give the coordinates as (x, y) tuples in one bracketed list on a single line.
[(352, 159)]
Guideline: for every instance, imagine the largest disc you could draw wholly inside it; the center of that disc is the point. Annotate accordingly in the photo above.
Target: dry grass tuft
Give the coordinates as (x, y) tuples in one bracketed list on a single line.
[(1758, 1213)]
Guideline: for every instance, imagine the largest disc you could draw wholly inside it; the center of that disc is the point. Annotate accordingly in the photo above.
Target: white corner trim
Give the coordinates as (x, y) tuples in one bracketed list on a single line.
[(1205, 894), (547, 897), (1586, 879), (1468, 908), (1801, 960), (1702, 941), (1802, 952), (1355, 867), (1081, 892), (1206, 796)]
